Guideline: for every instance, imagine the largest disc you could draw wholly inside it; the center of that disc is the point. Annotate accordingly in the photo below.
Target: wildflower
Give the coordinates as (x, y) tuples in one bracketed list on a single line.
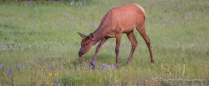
[(184, 21), (173, 22), (32, 26), (105, 66), (50, 68), (58, 83), (31, 69), (91, 66), (9, 72), (18, 65), (55, 74), (53, 63), (44, 69), (163, 20), (191, 46), (46, 79), (72, 2), (50, 74), (1, 66)]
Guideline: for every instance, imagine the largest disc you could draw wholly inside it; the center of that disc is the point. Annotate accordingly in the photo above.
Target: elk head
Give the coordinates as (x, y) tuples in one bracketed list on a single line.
[(86, 43)]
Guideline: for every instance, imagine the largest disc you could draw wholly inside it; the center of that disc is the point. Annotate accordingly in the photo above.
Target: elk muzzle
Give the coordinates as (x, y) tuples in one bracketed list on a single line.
[(80, 54)]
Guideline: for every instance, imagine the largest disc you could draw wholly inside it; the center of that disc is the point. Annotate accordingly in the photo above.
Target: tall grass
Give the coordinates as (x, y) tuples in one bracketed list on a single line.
[(39, 44)]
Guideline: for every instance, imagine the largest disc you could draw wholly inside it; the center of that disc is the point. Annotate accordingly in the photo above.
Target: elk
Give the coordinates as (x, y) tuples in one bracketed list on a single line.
[(115, 22)]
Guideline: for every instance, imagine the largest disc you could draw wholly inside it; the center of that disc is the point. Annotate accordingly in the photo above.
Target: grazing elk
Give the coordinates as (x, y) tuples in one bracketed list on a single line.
[(117, 21)]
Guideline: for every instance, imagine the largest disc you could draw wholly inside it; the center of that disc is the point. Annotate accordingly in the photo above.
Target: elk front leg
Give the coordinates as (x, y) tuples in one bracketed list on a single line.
[(96, 53), (134, 43), (118, 39)]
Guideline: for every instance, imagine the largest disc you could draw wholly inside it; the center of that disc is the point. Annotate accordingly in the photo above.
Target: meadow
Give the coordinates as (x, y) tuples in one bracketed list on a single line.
[(39, 44)]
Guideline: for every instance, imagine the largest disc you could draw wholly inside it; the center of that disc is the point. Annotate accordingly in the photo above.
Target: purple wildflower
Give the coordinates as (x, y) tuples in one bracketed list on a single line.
[(106, 66), (184, 20), (173, 22), (18, 65), (91, 66), (1, 66), (32, 26), (9, 72), (116, 65), (50, 68), (163, 20), (58, 83), (93, 62)]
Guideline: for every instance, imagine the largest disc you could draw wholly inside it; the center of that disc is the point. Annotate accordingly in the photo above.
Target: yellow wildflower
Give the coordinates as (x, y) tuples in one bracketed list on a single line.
[(55, 74), (50, 74)]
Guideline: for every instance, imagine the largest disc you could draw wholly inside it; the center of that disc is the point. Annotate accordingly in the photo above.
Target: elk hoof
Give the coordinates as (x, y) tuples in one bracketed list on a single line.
[(153, 61), (93, 65), (116, 65)]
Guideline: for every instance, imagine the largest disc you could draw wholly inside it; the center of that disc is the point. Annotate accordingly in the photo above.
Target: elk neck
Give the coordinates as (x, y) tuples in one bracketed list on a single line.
[(101, 31)]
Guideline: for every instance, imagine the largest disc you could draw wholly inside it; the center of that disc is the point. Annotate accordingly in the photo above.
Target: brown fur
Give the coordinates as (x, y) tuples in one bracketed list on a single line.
[(117, 21)]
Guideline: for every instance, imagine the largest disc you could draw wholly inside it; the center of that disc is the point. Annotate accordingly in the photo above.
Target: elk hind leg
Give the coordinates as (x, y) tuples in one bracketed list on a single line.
[(142, 31)]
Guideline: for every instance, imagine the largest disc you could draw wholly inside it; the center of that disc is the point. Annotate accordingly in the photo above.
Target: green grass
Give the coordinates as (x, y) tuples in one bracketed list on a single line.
[(42, 37)]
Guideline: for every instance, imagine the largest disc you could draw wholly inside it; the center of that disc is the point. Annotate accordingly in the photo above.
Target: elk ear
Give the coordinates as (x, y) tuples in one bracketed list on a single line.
[(82, 35), (91, 36)]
